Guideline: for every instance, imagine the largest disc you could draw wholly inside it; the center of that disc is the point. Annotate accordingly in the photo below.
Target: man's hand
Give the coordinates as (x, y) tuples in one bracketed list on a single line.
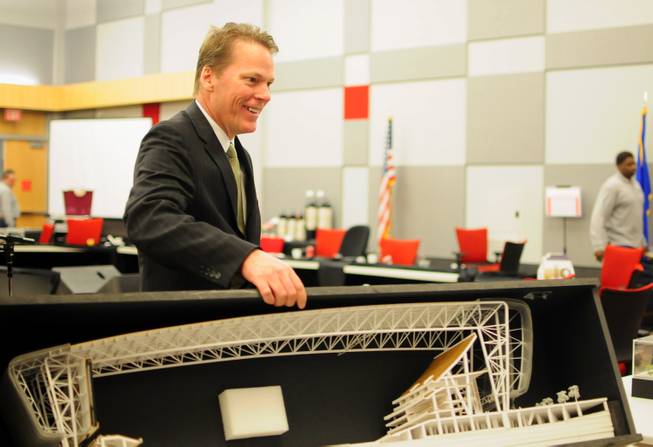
[(277, 282), (598, 254)]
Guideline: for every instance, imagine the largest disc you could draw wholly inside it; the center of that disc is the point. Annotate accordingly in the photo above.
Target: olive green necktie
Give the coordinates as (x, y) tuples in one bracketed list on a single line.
[(235, 167)]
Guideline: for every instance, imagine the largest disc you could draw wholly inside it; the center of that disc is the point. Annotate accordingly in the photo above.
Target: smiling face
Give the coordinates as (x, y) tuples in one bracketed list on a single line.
[(236, 97)]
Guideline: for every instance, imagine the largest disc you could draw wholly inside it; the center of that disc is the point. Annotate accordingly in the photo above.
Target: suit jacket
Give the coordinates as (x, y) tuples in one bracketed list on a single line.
[(181, 212)]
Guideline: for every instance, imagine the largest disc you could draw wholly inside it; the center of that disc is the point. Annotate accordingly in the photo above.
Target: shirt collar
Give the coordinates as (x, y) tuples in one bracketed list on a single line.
[(625, 179), (222, 136)]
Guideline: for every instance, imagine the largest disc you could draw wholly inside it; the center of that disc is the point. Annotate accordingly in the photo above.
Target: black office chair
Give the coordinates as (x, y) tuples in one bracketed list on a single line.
[(508, 268), (624, 311), (355, 241)]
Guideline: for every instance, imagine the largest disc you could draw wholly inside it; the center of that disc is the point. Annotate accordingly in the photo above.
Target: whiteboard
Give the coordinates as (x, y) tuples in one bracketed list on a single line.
[(97, 155)]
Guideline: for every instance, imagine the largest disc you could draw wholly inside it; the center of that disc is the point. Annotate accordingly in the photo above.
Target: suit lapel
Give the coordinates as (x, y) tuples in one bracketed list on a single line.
[(215, 151)]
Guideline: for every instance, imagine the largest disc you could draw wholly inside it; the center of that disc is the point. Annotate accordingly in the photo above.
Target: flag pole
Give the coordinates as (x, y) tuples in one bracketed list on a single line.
[(391, 145)]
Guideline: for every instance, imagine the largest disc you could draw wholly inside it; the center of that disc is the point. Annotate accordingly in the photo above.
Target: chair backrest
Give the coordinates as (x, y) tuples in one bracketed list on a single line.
[(328, 242), (84, 231), (272, 244), (510, 257), (78, 202), (355, 241), (619, 263), (472, 243), (46, 233), (624, 311), (402, 251)]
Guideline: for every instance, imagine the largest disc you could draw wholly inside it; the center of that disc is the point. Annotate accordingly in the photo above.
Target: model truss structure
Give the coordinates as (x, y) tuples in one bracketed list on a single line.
[(55, 383)]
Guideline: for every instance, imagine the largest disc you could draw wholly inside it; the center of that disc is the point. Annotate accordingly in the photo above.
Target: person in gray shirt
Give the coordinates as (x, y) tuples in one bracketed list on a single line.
[(617, 217), (9, 209)]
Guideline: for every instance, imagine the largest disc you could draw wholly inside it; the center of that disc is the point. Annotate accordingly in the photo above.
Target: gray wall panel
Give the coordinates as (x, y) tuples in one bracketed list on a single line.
[(589, 178), (356, 142), (315, 73), (109, 10), (491, 19), (152, 58), (419, 63), (79, 114), (168, 109), (357, 26), (283, 189), (26, 54), (373, 205), (631, 45), (428, 203), (80, 55), (505, 119), (121, 112), (171, 4)]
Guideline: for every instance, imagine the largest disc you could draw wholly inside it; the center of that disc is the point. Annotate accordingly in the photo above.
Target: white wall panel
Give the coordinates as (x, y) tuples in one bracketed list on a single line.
[(506, 56), (307, 29), (593, 114), (182, 33), (418, 23), (357, 70), (239, 11), (355, 197), (80, 13), (152, 6), (508, 200), (184, 29), (429, 122), (575, 15), (304, 128), (120, 49)]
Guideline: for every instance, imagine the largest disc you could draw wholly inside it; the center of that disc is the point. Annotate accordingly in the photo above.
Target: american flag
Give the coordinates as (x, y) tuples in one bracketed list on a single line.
[(385, 193)]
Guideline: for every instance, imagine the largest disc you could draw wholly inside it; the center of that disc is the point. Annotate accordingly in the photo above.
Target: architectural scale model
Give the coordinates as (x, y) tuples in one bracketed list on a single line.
[(116, 441), (444, 408), (485, 360)]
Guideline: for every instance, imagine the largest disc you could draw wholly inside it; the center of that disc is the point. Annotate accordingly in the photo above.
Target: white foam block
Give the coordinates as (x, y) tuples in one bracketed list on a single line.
[(253, 412)]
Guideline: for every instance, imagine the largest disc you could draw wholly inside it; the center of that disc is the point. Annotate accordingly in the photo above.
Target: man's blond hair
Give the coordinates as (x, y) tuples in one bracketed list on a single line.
[(216, 50)]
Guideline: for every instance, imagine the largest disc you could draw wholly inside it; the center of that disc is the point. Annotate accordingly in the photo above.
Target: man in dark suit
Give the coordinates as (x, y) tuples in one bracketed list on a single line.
[(193, 212)]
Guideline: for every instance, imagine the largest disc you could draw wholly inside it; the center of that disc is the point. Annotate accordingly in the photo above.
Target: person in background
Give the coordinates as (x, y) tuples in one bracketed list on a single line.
[(192, 211), (617, 217), (9, 209)]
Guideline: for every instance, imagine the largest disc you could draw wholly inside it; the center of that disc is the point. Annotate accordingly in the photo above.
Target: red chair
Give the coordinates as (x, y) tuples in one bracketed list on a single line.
[(78, 202), (46, 233), (328, 242), (618, 266), (272, 244), (401, 251), (85, 232), (472, 244)]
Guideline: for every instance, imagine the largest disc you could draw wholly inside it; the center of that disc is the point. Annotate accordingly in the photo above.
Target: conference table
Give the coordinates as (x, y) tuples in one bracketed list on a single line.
[(312, 271), (46, 256), (333, 272)]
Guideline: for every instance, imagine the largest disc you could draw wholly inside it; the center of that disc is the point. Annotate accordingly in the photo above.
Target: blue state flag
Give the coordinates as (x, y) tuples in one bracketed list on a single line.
[(642, 172)]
